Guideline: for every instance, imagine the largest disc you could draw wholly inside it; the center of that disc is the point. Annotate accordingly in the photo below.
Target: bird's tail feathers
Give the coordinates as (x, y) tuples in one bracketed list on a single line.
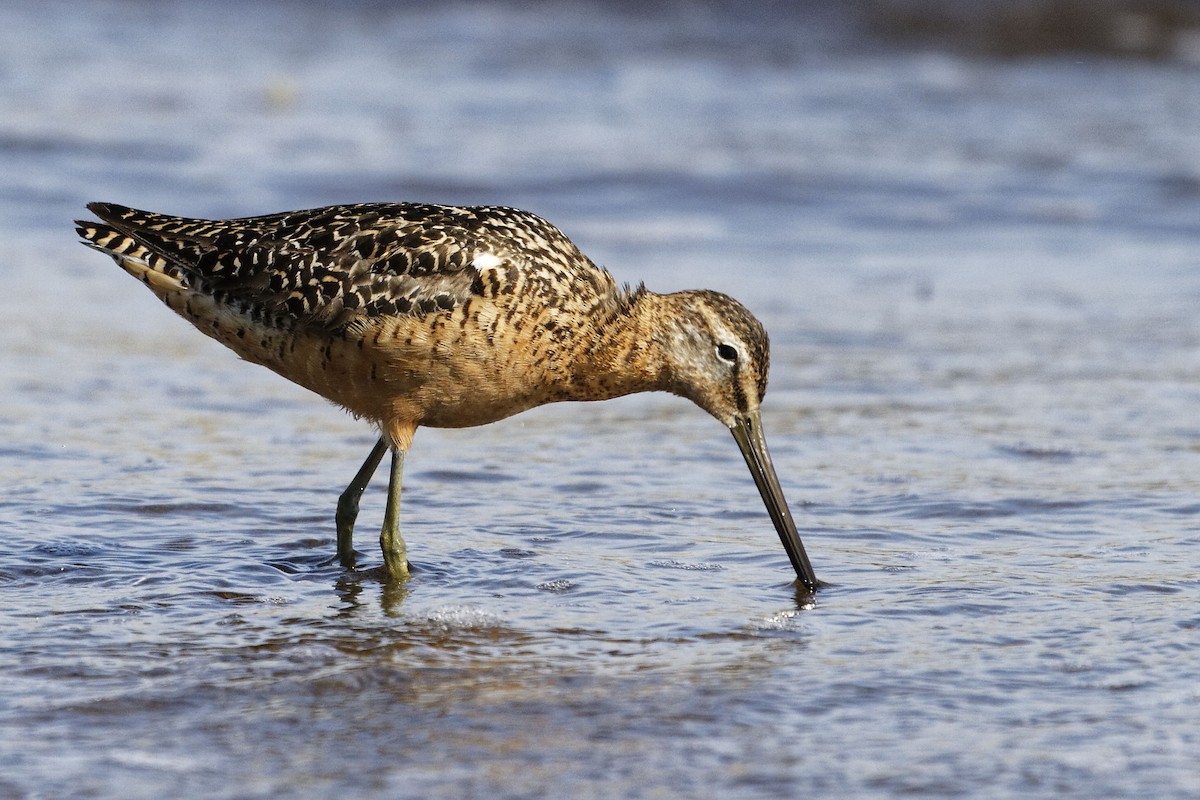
[(131, 255)]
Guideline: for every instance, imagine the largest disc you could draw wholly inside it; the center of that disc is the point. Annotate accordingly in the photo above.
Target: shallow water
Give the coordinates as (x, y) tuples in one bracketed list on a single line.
[(980, 279)]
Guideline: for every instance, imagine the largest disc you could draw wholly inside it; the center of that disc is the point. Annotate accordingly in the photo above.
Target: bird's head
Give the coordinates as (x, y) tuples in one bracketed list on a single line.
[(717, 356)]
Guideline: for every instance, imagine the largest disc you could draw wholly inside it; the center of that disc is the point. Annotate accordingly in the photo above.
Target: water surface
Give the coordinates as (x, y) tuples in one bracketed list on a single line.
[(979, 277)]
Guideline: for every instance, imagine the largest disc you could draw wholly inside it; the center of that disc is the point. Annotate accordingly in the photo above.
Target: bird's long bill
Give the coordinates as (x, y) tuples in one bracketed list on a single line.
[(747, 430)]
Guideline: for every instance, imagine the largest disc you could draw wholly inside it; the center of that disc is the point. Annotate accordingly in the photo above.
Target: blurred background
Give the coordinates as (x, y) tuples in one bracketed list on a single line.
[(972, 230)]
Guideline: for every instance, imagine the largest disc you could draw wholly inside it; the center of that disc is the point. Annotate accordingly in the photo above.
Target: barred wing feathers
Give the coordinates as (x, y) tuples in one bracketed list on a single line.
[(329, 266)]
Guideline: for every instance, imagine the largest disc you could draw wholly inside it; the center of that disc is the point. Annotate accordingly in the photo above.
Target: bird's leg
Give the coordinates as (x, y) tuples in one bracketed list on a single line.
[(395, 556), (347, 507)]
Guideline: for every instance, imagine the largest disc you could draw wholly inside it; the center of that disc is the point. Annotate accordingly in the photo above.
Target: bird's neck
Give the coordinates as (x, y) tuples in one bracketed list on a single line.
[(627, 351)]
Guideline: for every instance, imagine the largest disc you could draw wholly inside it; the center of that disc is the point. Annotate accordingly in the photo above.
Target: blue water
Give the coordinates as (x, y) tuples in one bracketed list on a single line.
[(980, 278)]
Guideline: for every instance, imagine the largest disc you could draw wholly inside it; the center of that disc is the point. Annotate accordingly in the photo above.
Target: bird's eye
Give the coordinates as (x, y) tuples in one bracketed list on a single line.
[(727, 352)]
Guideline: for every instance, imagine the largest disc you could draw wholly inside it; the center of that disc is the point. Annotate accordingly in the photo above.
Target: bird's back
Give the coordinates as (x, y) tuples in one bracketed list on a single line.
[(452, 316), (327, 266)]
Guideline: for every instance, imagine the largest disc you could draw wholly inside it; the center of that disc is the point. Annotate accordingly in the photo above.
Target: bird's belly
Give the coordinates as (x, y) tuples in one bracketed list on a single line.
[(462, 369), (399, 371), (462, 388)]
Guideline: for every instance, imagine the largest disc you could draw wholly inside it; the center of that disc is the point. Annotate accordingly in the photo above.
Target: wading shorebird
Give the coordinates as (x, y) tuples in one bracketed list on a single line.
[(410, 314)]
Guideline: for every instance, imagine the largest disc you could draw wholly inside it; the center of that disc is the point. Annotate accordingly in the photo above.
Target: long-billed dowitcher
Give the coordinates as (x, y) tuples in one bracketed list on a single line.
[(410, 314)]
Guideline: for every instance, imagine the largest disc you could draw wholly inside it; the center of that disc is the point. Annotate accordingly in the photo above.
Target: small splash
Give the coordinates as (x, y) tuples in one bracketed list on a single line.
[(937, 554), (459, 617), (782, 622), (560, 585), (700, 566)]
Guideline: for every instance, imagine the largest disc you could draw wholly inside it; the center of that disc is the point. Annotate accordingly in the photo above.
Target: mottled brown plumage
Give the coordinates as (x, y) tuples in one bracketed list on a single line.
[(409, 314)]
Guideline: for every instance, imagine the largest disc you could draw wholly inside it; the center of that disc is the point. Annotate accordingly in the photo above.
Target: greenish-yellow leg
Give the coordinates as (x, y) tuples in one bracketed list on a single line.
[(395, 555), (347, 507)]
